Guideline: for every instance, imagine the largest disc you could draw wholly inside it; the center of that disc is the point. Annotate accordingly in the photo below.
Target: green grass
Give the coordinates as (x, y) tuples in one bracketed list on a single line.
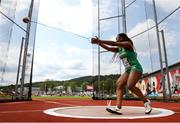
[(5, 97), (60, 97)]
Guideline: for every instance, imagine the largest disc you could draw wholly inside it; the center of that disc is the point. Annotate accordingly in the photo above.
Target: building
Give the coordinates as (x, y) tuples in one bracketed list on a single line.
[(151, 84)]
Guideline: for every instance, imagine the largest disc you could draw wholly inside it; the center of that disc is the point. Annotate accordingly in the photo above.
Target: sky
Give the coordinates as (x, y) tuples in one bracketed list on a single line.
[(64, 52), (62, 55)]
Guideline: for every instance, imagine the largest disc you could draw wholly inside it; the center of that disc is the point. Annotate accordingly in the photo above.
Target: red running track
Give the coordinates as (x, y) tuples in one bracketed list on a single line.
[(32, 111)]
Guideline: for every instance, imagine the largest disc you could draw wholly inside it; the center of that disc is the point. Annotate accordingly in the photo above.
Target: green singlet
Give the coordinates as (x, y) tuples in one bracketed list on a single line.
[(130, 61)]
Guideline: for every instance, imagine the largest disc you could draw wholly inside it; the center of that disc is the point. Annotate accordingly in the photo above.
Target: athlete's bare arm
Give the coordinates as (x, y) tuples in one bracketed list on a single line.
[(103, 43), (112, 49)]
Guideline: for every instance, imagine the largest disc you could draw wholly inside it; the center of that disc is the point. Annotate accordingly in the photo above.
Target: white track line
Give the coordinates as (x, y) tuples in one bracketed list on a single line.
[(53, 102)]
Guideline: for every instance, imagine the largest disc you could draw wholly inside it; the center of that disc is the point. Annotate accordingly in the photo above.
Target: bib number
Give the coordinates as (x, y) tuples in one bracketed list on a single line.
[(125, 62)]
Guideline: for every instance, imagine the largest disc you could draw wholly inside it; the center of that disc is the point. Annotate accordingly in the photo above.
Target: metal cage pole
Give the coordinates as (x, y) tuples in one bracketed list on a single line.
[(26, 50), (166, 63), (119, 29), (99, 72), (124, 16), (124, 30), (159, 48), (19, 65), (32, 64)]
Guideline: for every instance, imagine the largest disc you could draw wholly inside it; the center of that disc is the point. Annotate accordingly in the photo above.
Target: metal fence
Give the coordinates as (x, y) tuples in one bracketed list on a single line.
[(16, 47)]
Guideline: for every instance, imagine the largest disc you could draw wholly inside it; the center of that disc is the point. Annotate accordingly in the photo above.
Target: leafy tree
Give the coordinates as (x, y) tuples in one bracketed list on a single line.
[(42, 86), (52, 85), (65, 85), (48, 84), (96, 86), (109, 85), (73, 86), (83, 85)]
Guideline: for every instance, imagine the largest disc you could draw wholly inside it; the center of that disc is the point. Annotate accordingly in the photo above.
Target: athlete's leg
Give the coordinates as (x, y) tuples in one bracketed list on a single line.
[(134, 77), (120, 83)]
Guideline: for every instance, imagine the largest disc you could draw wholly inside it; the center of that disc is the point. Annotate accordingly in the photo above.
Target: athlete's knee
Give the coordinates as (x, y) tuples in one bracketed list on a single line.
[(130, 86), (119, 85)]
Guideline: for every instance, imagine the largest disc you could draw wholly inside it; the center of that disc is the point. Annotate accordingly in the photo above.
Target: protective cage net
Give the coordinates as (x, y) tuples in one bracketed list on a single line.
[(141, 28), (12, 48)]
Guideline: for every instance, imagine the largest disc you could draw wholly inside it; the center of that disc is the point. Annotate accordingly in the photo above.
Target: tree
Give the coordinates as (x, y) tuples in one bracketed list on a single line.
[(48, 84), (83, 85), (96, 86), (73, 86), (52, 85), (65, 85), (42, 86), (110, 86)]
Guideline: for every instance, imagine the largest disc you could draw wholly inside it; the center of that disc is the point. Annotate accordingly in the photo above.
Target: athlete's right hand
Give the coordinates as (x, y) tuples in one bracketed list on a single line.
[(94, 40)]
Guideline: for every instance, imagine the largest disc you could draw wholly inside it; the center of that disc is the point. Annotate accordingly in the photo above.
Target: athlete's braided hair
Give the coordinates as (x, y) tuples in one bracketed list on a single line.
[(125, 37)]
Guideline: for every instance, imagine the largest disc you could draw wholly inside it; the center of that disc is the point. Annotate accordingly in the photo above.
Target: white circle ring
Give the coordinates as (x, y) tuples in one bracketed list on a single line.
[(131, 112)]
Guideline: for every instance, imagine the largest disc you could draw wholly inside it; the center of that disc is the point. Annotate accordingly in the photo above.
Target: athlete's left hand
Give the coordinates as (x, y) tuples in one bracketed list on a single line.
[(94, 40)]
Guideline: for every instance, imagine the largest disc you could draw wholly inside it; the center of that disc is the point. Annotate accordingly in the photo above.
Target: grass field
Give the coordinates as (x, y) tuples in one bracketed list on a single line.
[(5, 97)]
